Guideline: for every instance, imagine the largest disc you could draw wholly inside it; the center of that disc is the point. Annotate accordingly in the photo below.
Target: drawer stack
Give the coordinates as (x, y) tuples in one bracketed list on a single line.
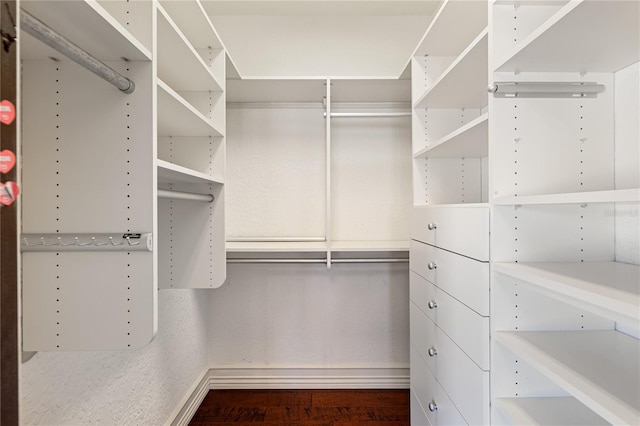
[(449, 309)]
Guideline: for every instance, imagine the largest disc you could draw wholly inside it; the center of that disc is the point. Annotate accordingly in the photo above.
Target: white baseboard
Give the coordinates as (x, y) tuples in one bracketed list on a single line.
[(309, 377), (290, 377), (190, 403)]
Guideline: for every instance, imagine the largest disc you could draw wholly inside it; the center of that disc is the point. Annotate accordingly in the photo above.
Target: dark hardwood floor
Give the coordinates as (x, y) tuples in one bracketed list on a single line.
[(304, 408)]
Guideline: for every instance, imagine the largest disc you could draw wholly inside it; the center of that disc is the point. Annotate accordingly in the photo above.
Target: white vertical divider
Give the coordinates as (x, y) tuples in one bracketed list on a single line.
[(328, 172)]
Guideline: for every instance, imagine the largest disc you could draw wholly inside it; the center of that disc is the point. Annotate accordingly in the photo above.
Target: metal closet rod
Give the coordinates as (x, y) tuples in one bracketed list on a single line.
[(48, 36), (323, 261), (535, 89), (189, 196), (368, 114)]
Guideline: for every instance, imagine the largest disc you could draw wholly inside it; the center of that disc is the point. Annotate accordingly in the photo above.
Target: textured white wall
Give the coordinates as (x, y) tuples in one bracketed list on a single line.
[(141, 387), (308, 315)]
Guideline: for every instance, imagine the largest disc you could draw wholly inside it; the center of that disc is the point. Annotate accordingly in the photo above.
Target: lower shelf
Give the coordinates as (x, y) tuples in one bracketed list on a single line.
[(599, 368), (565, 411)]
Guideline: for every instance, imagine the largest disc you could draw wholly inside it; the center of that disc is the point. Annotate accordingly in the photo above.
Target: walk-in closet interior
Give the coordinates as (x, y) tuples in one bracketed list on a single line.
[(434, 195)]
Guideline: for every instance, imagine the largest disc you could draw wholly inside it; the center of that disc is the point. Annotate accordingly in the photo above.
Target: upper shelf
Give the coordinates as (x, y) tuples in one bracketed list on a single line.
[(469, 141), (281, 91), (609, 289), (169, 173), (276, 246), (179, 65), (599, 368), (467, 17), (583, 36), (88, 25), (194, 23), (369, 246), (612, 196), (177, 117), (464, 83)]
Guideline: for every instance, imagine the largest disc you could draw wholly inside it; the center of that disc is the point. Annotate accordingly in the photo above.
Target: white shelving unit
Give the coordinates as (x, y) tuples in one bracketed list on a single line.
[(469, 140), (450, 223), (609, 289), (107, 154), (461, 85), (564, 193), (87, 168), (543, 411), (191, 146), (599, 368)]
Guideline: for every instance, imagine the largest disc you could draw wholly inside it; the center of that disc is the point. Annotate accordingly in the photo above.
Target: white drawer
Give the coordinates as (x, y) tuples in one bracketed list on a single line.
[(469, 330), (464, 278), (427, 390), (465, 383), (418, 416), (463, 230)]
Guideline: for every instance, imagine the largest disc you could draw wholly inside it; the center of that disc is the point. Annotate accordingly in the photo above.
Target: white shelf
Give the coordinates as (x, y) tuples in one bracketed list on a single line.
[(280, 91), (610, 289), (464, 83), (169, 173), (564, 411), (580, 37), (88, 26), (194, 23), (467, 17), (371, 90), (469, 141), (599, 368), (276, 246), (370, 246), (179, 65), (177, 117), (612, 196)]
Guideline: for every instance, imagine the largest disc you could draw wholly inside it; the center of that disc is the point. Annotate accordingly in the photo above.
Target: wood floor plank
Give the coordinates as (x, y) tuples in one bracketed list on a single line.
[(255, 398), (304, 408), (364, 398)]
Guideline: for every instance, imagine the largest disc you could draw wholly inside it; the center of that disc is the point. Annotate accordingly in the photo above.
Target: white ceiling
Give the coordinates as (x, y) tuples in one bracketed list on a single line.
[(321, 38)]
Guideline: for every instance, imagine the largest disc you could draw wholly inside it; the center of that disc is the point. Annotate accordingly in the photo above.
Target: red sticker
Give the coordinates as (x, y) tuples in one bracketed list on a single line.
[(8, 193), (7, 161), (7, 112)]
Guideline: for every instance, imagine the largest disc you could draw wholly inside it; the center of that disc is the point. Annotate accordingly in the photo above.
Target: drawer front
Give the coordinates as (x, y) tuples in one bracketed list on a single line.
[(427, 390), (465, 383), (465, 279), (463, 230), (418, 416), (469, 330)]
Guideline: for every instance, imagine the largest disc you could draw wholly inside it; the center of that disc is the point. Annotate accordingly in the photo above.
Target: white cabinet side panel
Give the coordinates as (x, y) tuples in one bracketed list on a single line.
[(275, 172), (191, 240), (557, 233), (370, 166), (87, 151), (627, 129), (453, 180), (88, 167), (80, 301), (546, 146)]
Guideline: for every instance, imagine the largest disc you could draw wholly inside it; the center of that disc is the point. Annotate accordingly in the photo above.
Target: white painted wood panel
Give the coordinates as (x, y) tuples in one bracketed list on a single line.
[(463, 381), (428, 390), (463, 229), (466, 328), (464, 278)]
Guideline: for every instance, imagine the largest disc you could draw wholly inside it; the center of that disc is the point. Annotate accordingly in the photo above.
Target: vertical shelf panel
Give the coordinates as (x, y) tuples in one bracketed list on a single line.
[(87, 168)]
